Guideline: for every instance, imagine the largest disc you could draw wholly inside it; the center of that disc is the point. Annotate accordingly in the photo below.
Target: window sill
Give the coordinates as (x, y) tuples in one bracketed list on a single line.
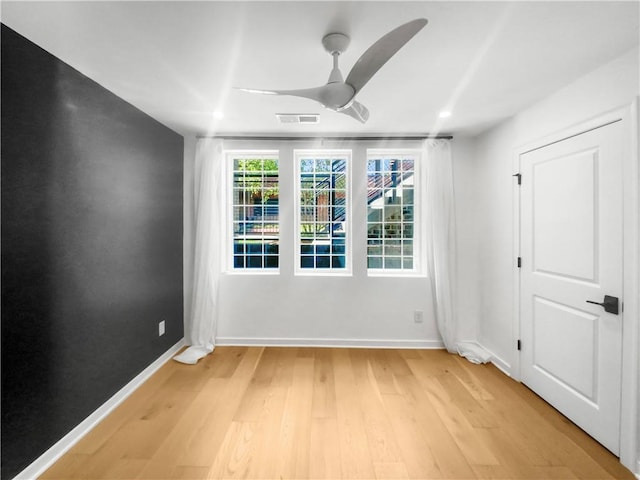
[(389, 273), (317, 273), (252, 272)]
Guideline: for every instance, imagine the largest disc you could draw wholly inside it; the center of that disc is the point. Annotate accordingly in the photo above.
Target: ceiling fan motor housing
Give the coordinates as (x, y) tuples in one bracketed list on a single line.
[(337, 95), (335, 43)]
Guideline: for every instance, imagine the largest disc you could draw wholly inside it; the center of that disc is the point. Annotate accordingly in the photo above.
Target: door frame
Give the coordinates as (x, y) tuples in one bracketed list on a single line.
[(630, 409)]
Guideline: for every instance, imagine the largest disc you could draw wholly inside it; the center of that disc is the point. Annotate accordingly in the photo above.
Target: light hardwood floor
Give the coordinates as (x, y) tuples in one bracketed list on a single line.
[(323, 413)]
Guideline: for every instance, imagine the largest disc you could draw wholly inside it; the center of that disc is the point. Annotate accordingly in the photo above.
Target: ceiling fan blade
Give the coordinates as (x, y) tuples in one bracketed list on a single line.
[(380, 52), (357, 111), (315, 93)]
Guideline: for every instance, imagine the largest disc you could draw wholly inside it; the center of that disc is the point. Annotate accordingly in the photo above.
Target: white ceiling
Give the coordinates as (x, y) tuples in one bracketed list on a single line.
[(178, 61)]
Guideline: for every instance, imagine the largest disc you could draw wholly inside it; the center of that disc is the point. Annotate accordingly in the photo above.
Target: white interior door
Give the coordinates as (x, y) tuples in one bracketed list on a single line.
[(571, 248)]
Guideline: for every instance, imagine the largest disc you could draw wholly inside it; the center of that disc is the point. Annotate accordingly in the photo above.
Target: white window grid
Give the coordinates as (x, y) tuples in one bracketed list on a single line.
[(323, 211), (394, 243), (254, 236)]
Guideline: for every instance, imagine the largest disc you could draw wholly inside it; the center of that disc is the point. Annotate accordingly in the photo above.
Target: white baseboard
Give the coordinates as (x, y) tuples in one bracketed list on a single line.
[(327, 342), (638, 470), (48, 458), (500, 363)]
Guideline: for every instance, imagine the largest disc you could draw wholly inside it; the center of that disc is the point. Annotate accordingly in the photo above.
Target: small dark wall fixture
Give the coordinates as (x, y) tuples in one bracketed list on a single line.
[(91, 247)]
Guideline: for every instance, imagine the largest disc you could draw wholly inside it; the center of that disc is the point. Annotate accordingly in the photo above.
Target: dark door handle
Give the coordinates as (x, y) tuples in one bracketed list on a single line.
[(610, 304)]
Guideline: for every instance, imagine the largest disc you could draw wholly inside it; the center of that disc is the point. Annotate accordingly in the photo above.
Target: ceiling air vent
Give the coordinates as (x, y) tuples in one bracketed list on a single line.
[(299, 118)]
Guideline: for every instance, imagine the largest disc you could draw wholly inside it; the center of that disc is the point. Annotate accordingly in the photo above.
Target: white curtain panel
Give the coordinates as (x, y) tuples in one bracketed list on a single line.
[(441, 247), (200, 328)]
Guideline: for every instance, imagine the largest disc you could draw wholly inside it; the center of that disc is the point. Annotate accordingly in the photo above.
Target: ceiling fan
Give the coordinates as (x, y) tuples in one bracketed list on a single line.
[(338, 94)]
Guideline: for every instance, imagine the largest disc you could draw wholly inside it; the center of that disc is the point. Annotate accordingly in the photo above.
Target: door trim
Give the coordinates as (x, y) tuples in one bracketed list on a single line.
[(629, 411)]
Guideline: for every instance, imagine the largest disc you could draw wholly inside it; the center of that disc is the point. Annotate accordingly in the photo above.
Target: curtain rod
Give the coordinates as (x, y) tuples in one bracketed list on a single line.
[(327, 137)]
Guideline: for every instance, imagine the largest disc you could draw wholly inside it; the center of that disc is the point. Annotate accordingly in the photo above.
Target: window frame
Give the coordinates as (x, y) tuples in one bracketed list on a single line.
[(229, 157), (419, 223), (347, 155)]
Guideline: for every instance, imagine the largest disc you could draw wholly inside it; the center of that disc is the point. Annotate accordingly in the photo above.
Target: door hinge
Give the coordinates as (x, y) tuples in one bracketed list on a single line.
[(519, 345), (519, 175), (519, 262)]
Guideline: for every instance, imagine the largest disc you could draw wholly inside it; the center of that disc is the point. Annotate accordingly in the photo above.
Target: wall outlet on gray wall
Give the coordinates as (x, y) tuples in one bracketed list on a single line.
[(161, 328), (417, 316)]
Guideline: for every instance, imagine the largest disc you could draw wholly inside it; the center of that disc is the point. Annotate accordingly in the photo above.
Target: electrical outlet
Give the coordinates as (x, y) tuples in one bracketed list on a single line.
[(417, 316), (161, 328)]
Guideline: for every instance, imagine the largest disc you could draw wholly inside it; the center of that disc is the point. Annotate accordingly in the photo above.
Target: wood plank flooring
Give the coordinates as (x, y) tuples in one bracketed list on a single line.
[(323, 413)]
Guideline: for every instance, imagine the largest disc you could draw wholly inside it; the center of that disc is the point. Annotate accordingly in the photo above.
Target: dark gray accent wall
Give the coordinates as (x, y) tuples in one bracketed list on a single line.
[(91, 247)]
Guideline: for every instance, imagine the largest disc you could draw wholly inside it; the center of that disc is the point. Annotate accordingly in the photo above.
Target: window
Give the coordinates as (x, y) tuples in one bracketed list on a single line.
[(255, 216), (322, 211), (391, 212)]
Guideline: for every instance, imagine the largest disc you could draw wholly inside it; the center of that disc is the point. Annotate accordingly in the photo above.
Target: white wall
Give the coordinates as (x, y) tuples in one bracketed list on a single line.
[(614, 85), (466, 188), (353, 310), (493, 154), (310, 310)]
